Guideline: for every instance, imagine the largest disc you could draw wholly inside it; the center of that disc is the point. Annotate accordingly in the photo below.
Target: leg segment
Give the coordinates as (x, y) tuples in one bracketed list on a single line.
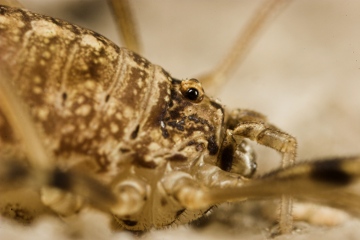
[(252, 125), (196, 192), (125, 197), (126, 24), (213, 80), (326, 182)]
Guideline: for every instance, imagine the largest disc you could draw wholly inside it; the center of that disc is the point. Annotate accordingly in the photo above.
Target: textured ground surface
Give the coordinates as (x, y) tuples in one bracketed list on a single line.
[(303, 73)]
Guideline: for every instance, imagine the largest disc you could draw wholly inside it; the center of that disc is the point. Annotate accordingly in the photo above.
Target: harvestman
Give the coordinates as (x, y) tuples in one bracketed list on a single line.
[(86, 123)]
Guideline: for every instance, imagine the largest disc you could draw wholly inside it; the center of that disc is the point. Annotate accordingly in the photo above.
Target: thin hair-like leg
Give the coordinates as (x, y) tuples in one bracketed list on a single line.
[(21, 123), (254, 126), (11, 3), (213, 80), (124, 19), (326, 182)]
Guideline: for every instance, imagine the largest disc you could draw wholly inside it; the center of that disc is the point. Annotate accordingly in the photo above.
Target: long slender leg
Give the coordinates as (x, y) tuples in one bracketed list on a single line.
[(326, 182), (11, 3), (252, 125), (213, 80), (67, 192), (126, 24), (21, 123)]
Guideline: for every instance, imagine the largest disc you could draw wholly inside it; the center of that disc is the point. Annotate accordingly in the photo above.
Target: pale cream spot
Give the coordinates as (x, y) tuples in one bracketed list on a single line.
[(218, 101), (16, 38), (80, 99), (94, 124), (104, 132), (46, 55), (37, 90), (90, 84), (154, 134), (43, 113), (19, 15), (176, 138), (114, 128), (4, 22), (140, 83), (68, 128), (37, 79), (89, 40), (83, 110), (68, 34), (45, 28), (84, 68), (101, 60), (111, 111), (111, 53), (82, 65), (42, 62), (128, 112), (88, 134), (154, 146), (135, 92), (156, 160), (118, 116), (15, 31)]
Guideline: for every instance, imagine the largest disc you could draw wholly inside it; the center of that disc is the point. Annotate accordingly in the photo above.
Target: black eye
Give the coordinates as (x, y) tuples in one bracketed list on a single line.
[(192, 94), (192, 90)]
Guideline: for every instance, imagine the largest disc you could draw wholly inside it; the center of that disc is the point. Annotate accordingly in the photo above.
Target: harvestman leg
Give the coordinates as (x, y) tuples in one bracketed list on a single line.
[(21, 123), (220, 73), (325, 182), (126, 25), (215, 79), (254, 126)]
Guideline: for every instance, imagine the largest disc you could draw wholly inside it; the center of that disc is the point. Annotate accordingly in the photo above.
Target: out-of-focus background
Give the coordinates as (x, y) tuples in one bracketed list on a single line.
[(303, 72)]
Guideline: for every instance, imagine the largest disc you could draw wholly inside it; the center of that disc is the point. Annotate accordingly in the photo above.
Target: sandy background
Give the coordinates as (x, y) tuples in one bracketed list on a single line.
[(303, 73)]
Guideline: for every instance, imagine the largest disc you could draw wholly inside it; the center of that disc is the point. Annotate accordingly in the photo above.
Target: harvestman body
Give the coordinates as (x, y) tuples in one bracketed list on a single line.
[(101, 126)]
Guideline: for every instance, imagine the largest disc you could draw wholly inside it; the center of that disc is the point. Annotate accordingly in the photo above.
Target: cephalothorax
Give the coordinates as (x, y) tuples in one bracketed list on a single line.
[(159, 149)]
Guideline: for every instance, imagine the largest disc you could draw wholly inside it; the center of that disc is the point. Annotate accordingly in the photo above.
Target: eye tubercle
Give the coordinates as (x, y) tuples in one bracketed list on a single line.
[(192, 90)]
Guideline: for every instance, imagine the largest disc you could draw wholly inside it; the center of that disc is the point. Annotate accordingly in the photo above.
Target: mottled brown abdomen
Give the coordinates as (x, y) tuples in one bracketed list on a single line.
[(90, 98)]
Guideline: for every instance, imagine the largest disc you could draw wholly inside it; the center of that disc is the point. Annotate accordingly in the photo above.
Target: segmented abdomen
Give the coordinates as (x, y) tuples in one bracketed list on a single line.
[(89, 97)]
